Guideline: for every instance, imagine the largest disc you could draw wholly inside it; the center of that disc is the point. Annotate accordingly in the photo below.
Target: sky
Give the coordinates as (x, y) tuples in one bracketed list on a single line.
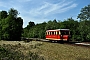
[(40, 11)]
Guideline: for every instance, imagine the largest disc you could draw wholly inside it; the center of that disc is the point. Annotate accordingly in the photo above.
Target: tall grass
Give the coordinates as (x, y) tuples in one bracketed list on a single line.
[(56, 51), (14, 52)]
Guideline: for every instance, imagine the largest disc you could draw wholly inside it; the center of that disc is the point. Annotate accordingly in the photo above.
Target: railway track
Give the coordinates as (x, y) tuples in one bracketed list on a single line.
[(83, 44)]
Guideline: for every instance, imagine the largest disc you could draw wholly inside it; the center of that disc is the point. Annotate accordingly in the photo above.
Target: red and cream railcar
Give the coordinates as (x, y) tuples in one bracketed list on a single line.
[(58, 34)]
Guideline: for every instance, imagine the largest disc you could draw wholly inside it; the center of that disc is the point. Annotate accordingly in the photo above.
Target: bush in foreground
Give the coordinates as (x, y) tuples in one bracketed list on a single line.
[(10, 52)]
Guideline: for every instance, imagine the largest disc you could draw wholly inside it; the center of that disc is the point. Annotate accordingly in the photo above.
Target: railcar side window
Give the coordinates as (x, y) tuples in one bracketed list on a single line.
[(50, 33), (53, 33), (46, 33)]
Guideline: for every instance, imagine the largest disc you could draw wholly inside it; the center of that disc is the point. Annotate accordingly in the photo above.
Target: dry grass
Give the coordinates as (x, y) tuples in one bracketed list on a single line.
[(53, 51), (19, 50)]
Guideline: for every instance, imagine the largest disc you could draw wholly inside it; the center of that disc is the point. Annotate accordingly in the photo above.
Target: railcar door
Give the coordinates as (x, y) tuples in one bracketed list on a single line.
[(64, 35)]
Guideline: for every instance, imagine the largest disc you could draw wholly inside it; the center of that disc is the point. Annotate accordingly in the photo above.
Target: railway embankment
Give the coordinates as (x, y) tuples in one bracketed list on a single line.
[(43, 50)]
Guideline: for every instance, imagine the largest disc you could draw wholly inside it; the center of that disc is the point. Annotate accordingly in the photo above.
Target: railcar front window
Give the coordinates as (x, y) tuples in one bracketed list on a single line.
[(64, 32)]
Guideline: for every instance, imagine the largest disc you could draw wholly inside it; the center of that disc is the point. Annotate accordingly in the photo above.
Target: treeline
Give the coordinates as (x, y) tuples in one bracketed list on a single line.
[(10, 25), (80, 29)]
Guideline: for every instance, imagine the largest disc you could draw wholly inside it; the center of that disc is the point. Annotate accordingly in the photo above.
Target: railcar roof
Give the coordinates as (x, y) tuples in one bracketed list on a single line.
[(57, 29)]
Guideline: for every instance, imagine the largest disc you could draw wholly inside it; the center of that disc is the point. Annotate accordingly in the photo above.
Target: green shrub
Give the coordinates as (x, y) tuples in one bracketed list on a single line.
[(12, 52), (35, 56)]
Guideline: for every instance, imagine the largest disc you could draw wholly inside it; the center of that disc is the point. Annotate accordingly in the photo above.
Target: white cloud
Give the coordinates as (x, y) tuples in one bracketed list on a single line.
[(67, 8), (49, 8), (27, 19), (30, 11), (39, 14)]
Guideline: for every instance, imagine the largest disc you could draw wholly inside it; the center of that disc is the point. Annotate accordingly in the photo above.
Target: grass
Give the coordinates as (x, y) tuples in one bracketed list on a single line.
[(55, 51), (36, 50), (20, 51)]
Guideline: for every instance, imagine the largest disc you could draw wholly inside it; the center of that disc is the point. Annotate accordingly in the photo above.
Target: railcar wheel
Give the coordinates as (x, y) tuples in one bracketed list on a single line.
[(61, 41), (50, 40)]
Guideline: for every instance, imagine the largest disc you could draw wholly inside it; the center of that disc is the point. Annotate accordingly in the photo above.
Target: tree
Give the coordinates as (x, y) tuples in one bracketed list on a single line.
[(84, 29), (3, 25), (15, 25), (31, 24), (84, 26), (3, 14), (18, 28), (85, 13), (27, 30), (13, 12), (10, 25), (52, 25), (35, 31)]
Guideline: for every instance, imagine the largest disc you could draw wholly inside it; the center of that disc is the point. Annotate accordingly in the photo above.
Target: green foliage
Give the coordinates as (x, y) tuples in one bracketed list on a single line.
[(77, 32), (38, 30), (52, 25), (10, 25), (85, 13), (35, 56), (35, 31), (3, 15), (84, 29), (84, 26), (80, 30), (12, 52), (6, 53), (13, 12)]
